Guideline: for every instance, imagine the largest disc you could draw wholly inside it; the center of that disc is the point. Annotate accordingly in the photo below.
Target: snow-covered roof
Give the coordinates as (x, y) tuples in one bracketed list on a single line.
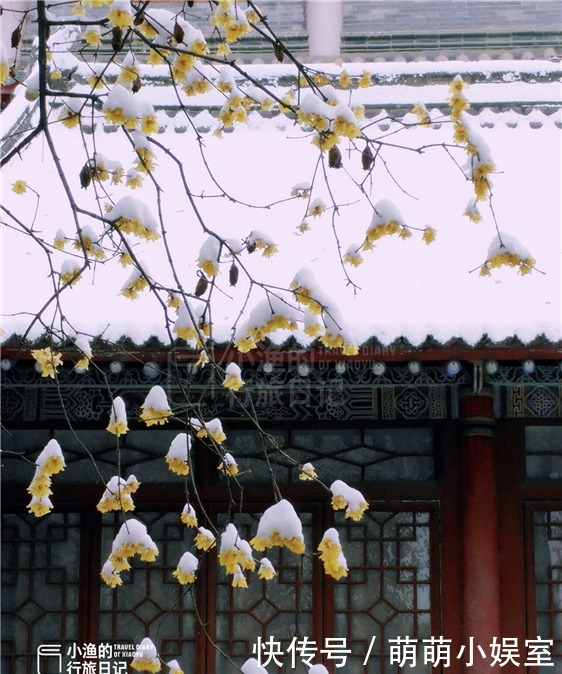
[(404, 287)]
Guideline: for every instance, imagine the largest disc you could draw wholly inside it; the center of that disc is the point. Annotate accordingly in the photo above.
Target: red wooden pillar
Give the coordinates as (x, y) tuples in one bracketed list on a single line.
[(481, 611)]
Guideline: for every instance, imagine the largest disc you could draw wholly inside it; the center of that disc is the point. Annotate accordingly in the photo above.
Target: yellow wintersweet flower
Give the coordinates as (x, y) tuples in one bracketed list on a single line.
[(429, 235), (152, 417), (353, 258), (40, 485), (110, 576), (366, 80), (49, 360), (39, 506), (228, 465), (421, 113), (295, 544), (223, 50), (307, 472), (209, 267), (344, 79), (233, 380), (245, 344), (19, 187), (188, 516), (120, 17), (92, 37), (177, 465), (204, 540), (266, 570), (239, 580), (182, 577), (149, 124), (331, 555)]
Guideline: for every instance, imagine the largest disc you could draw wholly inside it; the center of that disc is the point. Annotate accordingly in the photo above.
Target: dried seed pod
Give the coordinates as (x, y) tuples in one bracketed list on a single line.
[(137, 84), (116, 38), (367, 158), (16, 37), (85, 175), (233, 274), (190, 3), (251, 247), (334, 157), (202, 285), (179, 33), (278, 51)]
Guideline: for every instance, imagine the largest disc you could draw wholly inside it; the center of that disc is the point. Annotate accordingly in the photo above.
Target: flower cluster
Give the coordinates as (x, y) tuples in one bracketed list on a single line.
[(344, 496), (204, 539), (186, 568), (505, 250), (131, 216), (188, 515), (235, 554), (145, 658), (457, 101), (117, 494), (228, 466), (307, 472), (49, 462), (386, 221), (209, 429), (132, 539), (233, 380), (118, 417), (266, 569), (155, 409), (48, 359), (279, 526), (231, 19), (177, 455), (331, 554)]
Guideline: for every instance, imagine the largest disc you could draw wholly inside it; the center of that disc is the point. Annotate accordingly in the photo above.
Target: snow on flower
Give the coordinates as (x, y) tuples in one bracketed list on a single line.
[(85, 349), (335, 564), (208, 260), (40, 505), (228, 466), (233, 379), (505, 250), (260, 241), (316, 208), (387, 220), (121, 14), (110, 576), (307, 291), (307, 472), (117, 495), (155, 409), (177, 455), (48, 359), (136, 282), (266, 569), (70, 271), (353, 256), (132, 539), (279, 526), (118, 417), (188, 515), (238, 579), (132, 216), (212, 428), (205, 539), (252, 666), (146, 658), (174, 667), (186, 568), (344, 496), (235, 551), (49, 462)]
